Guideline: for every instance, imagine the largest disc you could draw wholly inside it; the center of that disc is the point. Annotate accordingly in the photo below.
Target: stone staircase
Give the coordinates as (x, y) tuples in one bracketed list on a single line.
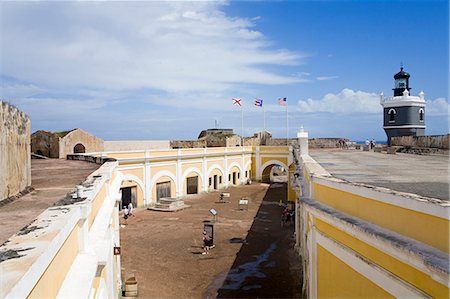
[(168, 205)]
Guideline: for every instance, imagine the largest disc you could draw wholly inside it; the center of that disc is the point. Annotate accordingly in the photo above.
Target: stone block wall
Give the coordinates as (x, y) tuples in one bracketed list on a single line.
[(187, 143), (90, 142), (45, 143), (15, 151), (436, 141)]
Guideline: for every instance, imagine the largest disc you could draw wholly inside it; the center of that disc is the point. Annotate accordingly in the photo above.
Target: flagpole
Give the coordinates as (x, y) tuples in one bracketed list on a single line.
[(287, 126), (264, 117), (242, 126)]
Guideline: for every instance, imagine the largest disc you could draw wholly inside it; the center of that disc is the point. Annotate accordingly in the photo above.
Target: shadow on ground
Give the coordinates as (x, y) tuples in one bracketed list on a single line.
[(265, 266)]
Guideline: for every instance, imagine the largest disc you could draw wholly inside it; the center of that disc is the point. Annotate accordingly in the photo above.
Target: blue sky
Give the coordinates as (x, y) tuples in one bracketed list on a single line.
[(167, 70)]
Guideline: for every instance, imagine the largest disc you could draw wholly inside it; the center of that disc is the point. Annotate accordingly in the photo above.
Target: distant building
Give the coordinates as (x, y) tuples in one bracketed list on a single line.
[(60, 144), (404, 115)]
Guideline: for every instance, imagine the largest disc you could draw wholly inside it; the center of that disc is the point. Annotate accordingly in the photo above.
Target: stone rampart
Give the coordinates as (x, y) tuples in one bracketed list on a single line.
[(15, 151), (187, 143), (436, 141), (45, 143), (89, 143)]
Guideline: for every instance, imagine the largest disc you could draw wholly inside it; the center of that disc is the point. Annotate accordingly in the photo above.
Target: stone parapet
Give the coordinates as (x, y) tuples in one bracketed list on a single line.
[(15, 152)]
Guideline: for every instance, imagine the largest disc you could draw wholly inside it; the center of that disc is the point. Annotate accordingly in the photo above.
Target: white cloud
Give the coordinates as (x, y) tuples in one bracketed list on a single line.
[(17, 90), (168, 46), (324, 78), (437, 107), (346, 101)]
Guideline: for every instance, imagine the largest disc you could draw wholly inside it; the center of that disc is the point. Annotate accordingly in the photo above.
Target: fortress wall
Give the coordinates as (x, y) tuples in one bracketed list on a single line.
[(368, 241), (45, 143), (187, 143), (128, 145), (436, 141), (59, 253), (15, 151)]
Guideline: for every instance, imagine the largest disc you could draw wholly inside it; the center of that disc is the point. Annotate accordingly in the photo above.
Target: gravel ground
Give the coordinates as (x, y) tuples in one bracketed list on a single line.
[(253, 257)]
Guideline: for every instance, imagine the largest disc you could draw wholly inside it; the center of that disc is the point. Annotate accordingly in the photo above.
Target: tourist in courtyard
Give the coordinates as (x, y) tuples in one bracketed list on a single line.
[(130, 209), (205, 243), (126, 213)]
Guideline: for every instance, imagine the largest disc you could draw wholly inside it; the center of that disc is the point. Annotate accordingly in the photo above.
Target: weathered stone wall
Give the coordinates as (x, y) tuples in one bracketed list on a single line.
[(280, 141), (45, 143), (436, 141), (232, 141), (187, 143), (325, 142), (15, 151), (78, 136)]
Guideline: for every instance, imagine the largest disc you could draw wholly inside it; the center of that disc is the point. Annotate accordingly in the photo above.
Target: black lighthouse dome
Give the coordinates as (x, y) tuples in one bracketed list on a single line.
[(401, 82), (401, 75)]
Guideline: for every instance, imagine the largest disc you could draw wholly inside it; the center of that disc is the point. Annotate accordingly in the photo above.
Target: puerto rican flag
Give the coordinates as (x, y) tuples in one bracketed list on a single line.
[(237, 101), (258, 102), (282, 101)]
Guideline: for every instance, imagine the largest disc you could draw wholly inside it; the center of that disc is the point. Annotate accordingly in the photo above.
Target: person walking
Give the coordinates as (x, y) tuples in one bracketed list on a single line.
[(130, 209), (206, 244), (125, 214)]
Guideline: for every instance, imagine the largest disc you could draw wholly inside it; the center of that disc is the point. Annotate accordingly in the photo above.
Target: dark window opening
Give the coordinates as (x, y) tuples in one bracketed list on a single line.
[(79, 148)]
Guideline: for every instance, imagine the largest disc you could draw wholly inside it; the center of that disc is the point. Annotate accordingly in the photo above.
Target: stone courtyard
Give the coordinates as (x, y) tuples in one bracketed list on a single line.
[(253, 257)]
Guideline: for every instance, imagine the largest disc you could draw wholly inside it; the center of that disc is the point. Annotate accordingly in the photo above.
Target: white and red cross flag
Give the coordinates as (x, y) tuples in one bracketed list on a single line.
[(237, 101)]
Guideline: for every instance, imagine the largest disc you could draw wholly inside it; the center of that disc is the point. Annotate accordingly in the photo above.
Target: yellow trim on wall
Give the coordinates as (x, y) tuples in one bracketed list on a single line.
[(336, 279), (407, 273), (403, 221), (52, 279)]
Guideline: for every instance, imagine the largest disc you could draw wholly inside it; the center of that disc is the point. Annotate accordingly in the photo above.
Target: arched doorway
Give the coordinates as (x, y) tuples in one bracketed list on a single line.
[(274, 173), (79, 149)]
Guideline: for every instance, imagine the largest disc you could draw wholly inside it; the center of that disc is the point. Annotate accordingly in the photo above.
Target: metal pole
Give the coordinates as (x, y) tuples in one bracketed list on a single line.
[(264, 117), (242, 126), (287, 126)]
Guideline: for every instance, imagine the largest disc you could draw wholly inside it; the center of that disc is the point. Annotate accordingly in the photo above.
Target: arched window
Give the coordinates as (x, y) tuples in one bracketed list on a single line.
[(392, 114), (79, 148), (421, 115)]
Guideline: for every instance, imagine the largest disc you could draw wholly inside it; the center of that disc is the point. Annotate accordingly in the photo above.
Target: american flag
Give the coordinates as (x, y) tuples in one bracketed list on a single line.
[(258, 102), (236, 101), (282, 101)]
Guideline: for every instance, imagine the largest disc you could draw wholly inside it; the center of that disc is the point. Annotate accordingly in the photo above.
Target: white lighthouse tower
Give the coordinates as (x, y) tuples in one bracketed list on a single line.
[(404, 115)]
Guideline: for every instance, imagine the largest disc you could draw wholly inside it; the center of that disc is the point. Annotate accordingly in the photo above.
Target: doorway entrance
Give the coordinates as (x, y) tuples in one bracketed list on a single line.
[(192, 185), (163, 190), (128, 195)]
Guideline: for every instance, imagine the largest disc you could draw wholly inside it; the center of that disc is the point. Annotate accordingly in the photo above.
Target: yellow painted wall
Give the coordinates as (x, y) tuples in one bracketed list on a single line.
[(409, 274), (210, 164), (96, 205), (335, 279), (253, 167), (406, 222), (133, 155), (281, 159), (291, 192), (171, 168), (139, 172), (197, 165), (52, 279)]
